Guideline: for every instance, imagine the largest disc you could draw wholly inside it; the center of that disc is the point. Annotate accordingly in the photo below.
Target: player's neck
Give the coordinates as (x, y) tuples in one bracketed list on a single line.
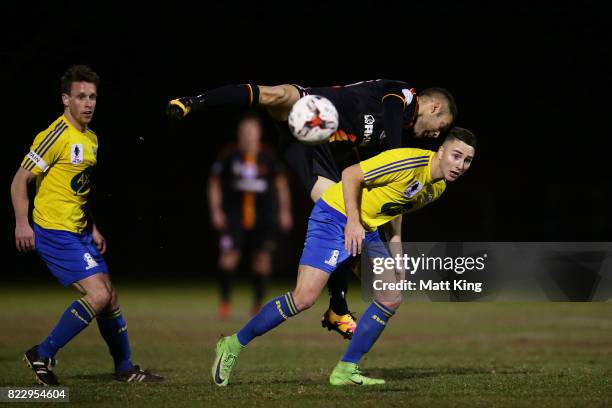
[(434, 169), (73, 121)]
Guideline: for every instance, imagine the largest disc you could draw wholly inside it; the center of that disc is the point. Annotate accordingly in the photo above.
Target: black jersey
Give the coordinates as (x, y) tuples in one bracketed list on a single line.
[(372, 114), (247, 183)]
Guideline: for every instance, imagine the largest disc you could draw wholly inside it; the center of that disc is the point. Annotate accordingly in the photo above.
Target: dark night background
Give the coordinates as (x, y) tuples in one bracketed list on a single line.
[(528, 79)]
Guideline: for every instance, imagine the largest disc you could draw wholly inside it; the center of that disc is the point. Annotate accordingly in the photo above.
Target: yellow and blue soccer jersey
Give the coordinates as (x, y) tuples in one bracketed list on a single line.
[(395, 182), (63, 158)]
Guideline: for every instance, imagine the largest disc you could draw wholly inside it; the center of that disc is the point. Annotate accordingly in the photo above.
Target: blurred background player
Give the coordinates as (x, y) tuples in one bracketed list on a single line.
[(249, 200), (372, 193), (374, 116), (61, 160)]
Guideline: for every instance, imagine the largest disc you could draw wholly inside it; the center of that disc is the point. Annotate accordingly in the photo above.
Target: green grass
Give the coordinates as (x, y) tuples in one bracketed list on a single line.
[(432, 354)]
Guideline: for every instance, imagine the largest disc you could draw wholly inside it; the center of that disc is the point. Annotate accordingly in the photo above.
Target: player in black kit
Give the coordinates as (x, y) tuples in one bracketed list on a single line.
[(373, 116)]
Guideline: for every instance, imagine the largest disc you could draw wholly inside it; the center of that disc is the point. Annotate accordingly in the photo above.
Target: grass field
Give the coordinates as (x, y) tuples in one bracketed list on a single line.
[(432, 354)]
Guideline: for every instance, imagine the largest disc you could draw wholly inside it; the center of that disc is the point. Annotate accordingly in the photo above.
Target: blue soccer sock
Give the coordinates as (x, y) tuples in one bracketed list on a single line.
[(73, 321), (369, 328), (114, 331), (271, 315)]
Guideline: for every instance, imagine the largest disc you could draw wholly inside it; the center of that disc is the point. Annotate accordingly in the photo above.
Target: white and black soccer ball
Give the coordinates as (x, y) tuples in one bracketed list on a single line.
[(313, 119)]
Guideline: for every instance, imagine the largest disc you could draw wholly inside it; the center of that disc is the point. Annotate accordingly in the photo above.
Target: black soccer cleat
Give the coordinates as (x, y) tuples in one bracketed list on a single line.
[(135, 374), (343, 324), (42, 367), (178, 108)]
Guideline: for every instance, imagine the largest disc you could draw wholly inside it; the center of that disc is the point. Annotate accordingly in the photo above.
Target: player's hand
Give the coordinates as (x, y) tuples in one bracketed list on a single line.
[(24, 238), (177, 109), (218, 220), (285, 221), (354, 234), (99, 240)]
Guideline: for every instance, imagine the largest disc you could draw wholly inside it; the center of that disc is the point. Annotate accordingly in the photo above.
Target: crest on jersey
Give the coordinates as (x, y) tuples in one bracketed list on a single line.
[(76, 153), (408, 94), (413, 189)]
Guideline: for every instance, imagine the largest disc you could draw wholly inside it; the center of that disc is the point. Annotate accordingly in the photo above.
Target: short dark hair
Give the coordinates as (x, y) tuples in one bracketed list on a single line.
[(459, 133), (442, 93), (78, 73)]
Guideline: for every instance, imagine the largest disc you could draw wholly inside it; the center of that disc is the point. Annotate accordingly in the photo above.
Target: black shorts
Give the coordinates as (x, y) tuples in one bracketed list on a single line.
[(258, 239), (310, 162)]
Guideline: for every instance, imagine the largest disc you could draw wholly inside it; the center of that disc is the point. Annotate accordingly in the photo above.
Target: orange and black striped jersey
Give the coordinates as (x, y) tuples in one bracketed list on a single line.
[(247, 183)]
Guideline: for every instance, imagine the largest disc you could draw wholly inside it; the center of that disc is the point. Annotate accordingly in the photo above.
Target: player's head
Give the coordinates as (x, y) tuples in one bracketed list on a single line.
[(455, 155), (437, 110), (249, 133), (79, 93)]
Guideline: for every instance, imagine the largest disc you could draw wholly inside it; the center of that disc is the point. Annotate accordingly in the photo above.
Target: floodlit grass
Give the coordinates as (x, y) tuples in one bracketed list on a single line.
[(431, 354)]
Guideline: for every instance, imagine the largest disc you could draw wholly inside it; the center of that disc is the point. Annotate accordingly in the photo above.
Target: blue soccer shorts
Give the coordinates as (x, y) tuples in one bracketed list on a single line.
[(70, 256), (324, 246)]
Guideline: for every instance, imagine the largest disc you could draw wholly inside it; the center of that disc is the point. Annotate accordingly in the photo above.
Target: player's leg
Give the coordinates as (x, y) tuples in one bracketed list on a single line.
[(228, 263), (310, 282), (323, 251), (261, 263), (337, 317), (70, 259), (230, 252), (113, 329), (277, 99), (369, 328)]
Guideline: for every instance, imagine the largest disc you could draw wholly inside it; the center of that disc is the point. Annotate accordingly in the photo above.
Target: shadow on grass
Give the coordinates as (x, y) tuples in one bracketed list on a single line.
[(100, 378), (410, 372)]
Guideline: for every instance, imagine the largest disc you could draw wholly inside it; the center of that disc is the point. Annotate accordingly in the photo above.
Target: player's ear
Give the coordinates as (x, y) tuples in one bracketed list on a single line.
[(65, 99), (436, 106), (441, 150)]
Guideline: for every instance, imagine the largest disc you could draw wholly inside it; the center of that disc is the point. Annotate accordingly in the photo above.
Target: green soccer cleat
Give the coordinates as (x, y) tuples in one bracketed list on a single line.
[(349, 374), (228, 349)]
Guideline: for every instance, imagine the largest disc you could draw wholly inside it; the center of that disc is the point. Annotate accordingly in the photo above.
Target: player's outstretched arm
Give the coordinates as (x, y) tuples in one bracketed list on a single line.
[(354, 233), (24, 235)]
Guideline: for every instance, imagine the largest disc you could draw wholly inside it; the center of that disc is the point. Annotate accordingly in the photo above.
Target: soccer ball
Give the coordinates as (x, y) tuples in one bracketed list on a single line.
[(313, 119)]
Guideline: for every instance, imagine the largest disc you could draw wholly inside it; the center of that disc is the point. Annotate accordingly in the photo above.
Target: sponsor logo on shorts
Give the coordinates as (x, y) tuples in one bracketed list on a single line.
[(333, 259), (91, 263)]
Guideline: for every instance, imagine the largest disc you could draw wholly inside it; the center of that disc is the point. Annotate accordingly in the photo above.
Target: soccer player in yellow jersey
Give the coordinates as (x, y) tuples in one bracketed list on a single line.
[(371, 194), (61, 160)]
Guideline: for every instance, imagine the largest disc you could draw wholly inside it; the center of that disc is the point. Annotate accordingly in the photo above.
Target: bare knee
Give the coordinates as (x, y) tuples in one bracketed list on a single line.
[(391, 304), (304, 299), (100, 298), (228, 260), (262, 263), (319, 187)]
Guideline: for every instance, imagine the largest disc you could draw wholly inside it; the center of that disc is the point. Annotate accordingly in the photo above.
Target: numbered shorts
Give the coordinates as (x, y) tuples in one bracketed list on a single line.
[(70, 256), (324, 246)]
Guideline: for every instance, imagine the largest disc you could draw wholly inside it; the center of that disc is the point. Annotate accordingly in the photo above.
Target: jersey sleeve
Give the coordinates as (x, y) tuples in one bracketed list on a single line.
[(396, 98), (391, 166), (45, 151), (217, 167)]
